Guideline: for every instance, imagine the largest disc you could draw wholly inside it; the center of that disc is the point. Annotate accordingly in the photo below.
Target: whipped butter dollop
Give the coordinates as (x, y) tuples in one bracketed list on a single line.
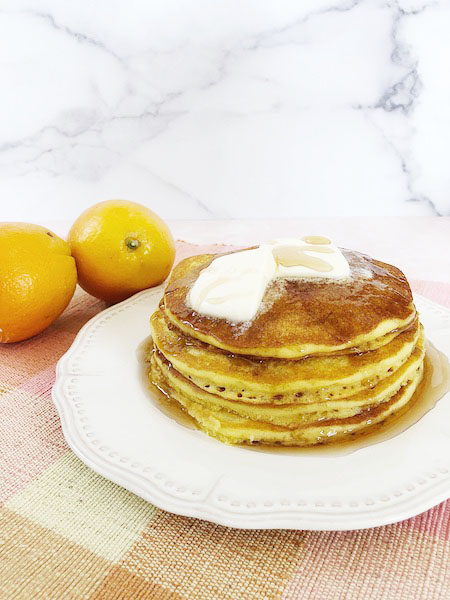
[(232, 286)]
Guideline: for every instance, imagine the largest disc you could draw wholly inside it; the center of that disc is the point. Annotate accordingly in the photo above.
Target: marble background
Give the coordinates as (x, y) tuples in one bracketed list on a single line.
[(225, 108)]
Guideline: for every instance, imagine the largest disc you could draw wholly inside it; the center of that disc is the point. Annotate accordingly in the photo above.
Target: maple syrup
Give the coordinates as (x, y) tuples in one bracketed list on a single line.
[(434, 385), (316, 239), (159, 397)]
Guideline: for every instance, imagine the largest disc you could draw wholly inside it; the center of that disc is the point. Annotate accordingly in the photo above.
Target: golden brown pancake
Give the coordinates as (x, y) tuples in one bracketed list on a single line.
[(293, 415), (301, 317), (257, 380), (231, 428)]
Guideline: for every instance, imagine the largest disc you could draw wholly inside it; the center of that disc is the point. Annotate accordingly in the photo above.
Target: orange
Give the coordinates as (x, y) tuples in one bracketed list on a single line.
[(120, 248), (37, 279)]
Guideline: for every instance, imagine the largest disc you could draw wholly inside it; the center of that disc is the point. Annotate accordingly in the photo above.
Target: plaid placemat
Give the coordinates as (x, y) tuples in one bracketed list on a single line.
[(65, 532)]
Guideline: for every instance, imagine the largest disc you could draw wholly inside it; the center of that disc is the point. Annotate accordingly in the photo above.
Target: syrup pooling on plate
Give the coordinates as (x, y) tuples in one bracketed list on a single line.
[(433, 387), (161, 399)]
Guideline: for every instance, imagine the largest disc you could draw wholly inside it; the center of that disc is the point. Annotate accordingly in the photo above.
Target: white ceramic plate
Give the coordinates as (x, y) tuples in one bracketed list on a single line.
[(113, 424)]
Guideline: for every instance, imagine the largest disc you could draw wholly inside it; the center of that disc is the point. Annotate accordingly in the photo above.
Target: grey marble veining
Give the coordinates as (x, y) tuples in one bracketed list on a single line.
[(225, 109)]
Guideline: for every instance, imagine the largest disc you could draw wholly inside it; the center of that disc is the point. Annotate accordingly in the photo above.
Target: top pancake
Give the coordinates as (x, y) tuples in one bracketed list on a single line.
[(301, 317)]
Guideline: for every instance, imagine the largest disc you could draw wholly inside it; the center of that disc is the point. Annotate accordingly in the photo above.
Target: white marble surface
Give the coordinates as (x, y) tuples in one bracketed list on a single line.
[(226, 108)]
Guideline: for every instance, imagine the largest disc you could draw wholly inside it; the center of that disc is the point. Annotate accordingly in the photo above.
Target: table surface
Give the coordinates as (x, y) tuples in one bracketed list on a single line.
[(66, 532)]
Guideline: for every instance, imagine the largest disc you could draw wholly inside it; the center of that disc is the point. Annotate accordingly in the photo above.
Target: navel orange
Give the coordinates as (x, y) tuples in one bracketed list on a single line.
[(37, 279), (120, 248)]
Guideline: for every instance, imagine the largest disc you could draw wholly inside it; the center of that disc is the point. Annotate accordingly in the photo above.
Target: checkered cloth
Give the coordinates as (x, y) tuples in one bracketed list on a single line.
[(66, 532)]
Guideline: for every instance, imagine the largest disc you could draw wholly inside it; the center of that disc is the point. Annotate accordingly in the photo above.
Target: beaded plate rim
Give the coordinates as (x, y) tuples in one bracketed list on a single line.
[(428, 488)]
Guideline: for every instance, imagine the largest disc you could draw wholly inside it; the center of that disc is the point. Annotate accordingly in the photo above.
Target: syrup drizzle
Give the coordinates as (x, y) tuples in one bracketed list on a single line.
[(316, 239), (295, 256), (433, 387)]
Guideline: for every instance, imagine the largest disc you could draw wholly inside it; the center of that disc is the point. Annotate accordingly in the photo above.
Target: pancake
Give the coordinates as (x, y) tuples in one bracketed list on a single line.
[(257, 380), (300, 317), (292, 415), (234, 429), (322, 360)]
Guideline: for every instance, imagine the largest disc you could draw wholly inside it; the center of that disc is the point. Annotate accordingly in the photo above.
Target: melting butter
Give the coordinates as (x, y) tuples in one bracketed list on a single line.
[(232, 286)]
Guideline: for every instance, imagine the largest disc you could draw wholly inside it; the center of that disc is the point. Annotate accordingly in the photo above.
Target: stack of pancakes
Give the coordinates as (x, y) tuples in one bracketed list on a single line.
[(322, 360)]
